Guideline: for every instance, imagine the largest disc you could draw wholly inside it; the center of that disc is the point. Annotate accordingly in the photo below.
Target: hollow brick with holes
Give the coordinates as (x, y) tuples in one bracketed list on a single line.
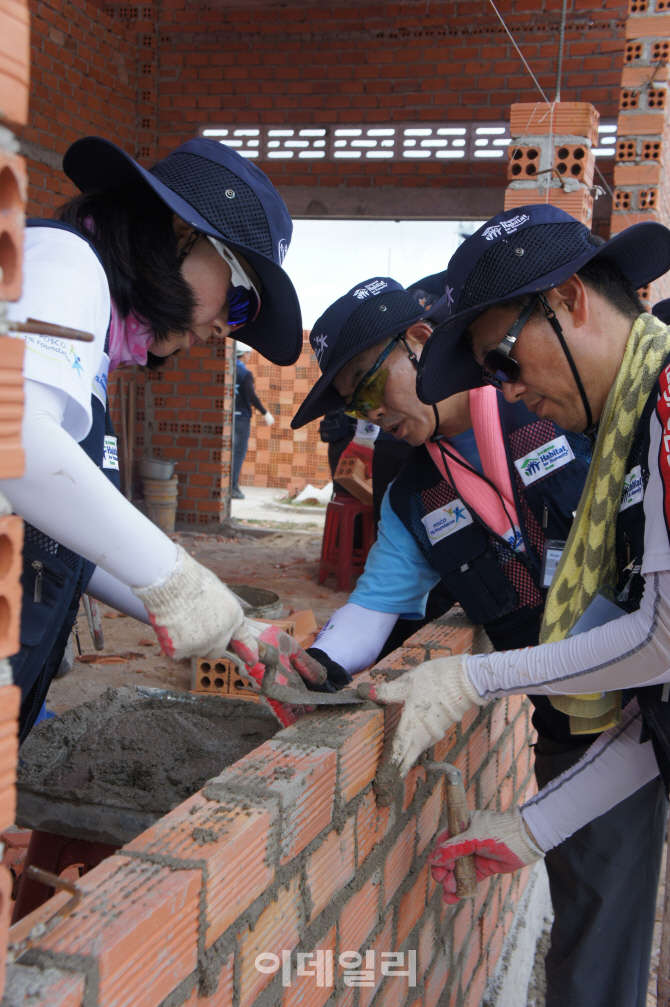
[(13, 194), (524, 162)]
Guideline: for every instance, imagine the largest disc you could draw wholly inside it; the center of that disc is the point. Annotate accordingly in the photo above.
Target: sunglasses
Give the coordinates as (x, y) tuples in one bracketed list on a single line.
[(243, 305), (499, 367), (369, 392)]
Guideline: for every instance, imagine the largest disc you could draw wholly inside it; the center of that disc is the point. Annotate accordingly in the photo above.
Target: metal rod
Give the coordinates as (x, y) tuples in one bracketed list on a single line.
[(561, 39), (37, 328)]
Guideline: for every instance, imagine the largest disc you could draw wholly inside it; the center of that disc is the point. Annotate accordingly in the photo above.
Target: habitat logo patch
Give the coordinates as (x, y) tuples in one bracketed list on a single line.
[(110, 455), (446, 520), (633, 488), (373, 289), (543, 460)]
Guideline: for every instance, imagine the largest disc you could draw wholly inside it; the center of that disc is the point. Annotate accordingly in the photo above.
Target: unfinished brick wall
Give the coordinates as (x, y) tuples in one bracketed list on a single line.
[(277, 455), (641, 186), (287, 853)]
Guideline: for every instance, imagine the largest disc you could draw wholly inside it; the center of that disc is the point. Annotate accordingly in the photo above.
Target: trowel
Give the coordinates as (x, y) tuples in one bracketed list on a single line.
[(275, 684)]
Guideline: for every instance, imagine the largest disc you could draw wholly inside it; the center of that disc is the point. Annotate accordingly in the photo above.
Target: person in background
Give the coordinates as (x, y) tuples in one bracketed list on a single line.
[(245, 398), (337, 430)]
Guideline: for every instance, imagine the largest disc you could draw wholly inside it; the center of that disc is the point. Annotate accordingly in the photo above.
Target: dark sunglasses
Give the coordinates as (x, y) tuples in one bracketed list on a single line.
[(243, 305), (369, 392), (499, 367)]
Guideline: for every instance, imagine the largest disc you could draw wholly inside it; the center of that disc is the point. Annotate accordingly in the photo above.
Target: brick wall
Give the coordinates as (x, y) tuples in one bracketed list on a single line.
[(288, 853), (277, 455), (84, 82)]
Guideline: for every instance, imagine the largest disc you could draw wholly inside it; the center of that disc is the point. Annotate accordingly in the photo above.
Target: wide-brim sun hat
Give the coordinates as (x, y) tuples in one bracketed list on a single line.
[(225, 196), (429, 289), (522, 251), (367, 314)]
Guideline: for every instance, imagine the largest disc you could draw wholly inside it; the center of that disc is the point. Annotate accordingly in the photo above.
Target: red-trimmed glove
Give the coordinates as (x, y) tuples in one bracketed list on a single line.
[(499, 842), (300, 667)]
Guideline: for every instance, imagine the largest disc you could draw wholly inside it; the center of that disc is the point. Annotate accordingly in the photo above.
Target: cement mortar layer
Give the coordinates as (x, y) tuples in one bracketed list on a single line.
[(130, 749)]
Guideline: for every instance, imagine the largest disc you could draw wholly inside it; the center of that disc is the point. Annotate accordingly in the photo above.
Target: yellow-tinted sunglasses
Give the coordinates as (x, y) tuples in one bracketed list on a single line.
[(369, 392)]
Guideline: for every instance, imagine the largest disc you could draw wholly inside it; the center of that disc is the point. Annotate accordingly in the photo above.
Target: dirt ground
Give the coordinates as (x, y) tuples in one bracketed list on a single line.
[(286, 562)]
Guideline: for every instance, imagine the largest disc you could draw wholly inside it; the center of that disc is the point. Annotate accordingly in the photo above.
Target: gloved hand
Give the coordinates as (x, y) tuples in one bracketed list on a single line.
[(269, 418), (193, 613), (301, 669), (500, 843), (436, 694), (338, 677)]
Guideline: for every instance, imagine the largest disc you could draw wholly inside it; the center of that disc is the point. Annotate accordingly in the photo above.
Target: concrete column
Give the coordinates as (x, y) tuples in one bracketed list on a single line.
[(642, 190), (551, 156)]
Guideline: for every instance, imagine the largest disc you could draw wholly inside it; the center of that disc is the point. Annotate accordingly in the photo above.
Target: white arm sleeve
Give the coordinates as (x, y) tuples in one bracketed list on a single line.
[(112, 592), (353, 636), (614, 767), (631, 651), (65, 495)]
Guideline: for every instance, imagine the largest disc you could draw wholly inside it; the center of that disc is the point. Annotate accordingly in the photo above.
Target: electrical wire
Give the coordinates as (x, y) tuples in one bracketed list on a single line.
[(523, 58), (561, 39)]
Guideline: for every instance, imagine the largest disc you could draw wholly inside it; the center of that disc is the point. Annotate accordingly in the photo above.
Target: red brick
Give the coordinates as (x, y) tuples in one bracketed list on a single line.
[(10, 699), (223, 996), (358, 917), (304, 991), (228, 843), (372, 824), (138, 923), (415, 774), (276, 930), (435, 982), (331, 867), (399, 861), (426, 945), (429, 818), (412, 905)]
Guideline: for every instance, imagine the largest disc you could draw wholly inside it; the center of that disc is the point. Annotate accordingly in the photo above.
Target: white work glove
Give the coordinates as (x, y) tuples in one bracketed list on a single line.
[(193, 613), (436, 694), (269, 418), (499, 842)]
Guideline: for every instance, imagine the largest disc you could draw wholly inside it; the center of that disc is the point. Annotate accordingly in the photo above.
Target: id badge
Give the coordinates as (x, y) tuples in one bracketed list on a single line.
[(551, 557)]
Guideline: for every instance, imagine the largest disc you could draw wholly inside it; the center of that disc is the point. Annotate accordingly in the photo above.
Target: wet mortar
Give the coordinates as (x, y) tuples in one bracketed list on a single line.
[(148, 753)]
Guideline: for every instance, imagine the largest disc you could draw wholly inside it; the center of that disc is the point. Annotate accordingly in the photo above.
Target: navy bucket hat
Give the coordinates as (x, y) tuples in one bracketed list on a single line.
[(518, 252), (662, 311), (222, 194), (429, 290), (367, 314)]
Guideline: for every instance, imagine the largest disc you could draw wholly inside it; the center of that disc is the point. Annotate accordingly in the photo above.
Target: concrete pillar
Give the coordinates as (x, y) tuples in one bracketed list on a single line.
[(641, 189), (551, 156)]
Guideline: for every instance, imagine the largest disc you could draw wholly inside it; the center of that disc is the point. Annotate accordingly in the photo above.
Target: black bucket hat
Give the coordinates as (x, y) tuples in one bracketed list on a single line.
[(521, 251), (366, 315), (429, 290), (220, 193)]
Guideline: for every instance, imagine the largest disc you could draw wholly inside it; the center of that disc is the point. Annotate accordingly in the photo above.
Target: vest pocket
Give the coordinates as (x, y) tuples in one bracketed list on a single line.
[(481, 588)]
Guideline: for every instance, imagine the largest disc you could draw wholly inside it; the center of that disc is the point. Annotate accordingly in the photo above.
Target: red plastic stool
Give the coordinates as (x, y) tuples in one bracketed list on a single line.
[(54, 853), (338, 553)]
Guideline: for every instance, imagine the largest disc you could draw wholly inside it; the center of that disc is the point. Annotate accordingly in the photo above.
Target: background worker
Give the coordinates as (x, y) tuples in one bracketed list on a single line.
[(579, 353), (464, 519), (149, 262), (245, 398)]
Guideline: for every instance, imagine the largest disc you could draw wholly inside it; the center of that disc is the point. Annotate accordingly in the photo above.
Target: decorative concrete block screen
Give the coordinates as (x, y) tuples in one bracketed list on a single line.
[(277, 455), (282, 877)]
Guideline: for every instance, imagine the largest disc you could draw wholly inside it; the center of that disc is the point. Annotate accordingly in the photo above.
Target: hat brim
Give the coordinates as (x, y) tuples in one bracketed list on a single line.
[(447, 365), (93, 163), (324, 397)]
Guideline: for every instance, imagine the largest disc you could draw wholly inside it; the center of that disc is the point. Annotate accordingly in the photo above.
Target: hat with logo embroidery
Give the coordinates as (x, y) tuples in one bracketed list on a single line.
[(369, 313), (225, 196), (522, 251), (429, 290)]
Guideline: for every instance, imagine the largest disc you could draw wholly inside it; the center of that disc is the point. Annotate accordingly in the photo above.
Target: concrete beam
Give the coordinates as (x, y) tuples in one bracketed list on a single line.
[(391, 202)]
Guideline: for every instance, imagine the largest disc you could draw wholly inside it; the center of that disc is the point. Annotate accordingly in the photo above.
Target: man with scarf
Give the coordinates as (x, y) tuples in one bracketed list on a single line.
[(461, 518), (541, 309)]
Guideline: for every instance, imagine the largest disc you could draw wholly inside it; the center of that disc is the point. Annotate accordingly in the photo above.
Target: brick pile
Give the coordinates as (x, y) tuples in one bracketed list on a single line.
[(287, 854), (277, 455), (641, 185)]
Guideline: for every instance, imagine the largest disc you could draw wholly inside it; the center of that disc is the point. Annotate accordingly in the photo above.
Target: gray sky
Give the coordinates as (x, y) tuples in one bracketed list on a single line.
[(328, 257)]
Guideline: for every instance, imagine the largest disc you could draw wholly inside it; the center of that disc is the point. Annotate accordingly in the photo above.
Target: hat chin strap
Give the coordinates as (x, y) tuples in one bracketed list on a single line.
[(415, 364), (555, 324)]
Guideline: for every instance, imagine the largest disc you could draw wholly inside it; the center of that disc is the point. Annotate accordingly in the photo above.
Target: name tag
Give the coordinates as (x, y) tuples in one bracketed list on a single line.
[(100, 381), (551, 557), (446, 520), (633, 488), (110, 456), (543, 460)]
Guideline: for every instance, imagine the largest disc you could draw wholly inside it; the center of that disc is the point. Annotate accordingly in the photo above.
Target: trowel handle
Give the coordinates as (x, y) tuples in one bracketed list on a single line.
[(458, 819)]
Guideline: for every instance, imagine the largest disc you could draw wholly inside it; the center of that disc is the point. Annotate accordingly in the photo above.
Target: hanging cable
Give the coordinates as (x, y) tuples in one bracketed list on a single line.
[(523, 58), (561, 39)]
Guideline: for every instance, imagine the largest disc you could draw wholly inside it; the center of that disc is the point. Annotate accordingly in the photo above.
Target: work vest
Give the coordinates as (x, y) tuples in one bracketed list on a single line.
[(498, 587), (630, 552), (54, 577)]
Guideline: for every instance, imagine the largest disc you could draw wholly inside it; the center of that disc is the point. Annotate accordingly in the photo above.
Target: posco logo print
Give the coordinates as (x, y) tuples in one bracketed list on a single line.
[(545, 459), (446, 520), (633, 488)]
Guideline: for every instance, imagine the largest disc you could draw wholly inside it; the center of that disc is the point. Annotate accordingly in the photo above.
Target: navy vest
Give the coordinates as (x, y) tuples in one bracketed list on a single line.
[(55, 574)]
